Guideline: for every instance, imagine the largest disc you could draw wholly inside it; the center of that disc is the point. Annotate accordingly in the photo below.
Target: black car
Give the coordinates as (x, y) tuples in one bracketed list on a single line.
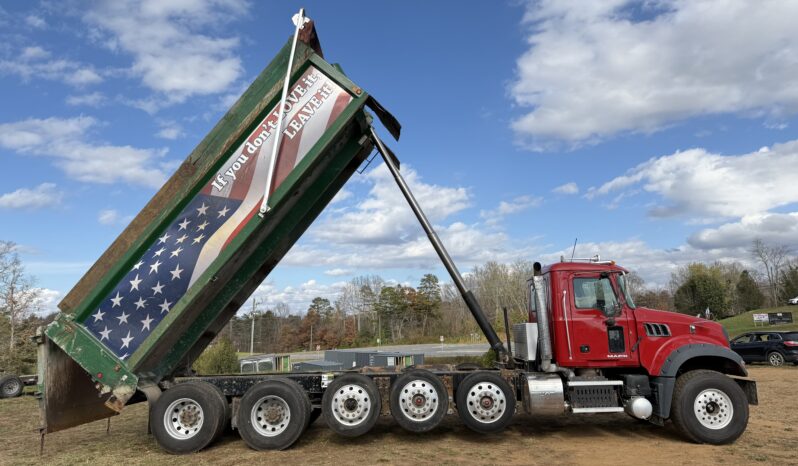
[(775, 348)]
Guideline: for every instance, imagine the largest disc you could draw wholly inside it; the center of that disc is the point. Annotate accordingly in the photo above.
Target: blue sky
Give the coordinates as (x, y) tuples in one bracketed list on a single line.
[(656, 133)]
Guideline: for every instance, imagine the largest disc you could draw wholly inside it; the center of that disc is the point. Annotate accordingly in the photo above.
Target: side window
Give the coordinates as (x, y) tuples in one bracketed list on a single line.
[(742, 339), (774, 337), (593, 293)]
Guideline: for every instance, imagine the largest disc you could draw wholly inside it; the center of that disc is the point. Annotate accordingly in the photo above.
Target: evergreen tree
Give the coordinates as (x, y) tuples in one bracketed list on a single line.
[(748, 293)]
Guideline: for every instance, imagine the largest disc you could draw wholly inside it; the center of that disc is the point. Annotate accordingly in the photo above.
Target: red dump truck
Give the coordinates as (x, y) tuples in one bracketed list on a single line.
[(133, 325)]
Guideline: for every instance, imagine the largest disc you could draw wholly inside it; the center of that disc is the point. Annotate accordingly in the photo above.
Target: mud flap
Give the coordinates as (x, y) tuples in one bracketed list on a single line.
[(67, 395)]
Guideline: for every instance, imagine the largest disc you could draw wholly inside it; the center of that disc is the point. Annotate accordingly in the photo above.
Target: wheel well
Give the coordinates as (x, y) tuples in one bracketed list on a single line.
[(714, 363)]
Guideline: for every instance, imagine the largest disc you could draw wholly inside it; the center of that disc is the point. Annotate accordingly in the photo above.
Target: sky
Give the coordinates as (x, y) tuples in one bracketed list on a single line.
[(655, 133)]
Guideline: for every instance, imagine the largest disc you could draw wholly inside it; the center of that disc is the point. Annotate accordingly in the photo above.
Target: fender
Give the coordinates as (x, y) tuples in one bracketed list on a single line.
[(695, 356)]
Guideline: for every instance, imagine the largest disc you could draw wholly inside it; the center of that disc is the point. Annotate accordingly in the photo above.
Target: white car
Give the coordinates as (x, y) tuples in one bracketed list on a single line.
[(793, 300)]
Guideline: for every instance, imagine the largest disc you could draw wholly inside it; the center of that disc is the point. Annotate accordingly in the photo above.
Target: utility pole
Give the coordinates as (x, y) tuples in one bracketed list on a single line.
[(252, 331), (311, 338)]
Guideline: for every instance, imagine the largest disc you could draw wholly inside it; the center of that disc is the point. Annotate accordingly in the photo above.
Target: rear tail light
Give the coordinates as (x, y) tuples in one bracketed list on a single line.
[(791, 343)]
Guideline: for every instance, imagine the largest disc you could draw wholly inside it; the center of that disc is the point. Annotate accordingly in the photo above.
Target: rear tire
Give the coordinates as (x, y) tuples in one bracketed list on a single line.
[(188, 417), (485, 402), (419, 401), (273, 414), (709, 407), (11, 386), (775, 359), (351, 405)]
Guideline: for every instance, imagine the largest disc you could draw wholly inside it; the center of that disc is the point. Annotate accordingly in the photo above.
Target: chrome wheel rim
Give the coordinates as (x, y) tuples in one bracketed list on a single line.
[(270, 416), (776, 359), (713, 409), (183, 419), (11, 387), (486, 402), (418, 400), (351, 405)]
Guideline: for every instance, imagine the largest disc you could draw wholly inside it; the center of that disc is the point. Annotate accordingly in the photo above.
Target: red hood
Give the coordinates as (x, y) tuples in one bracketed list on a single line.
[(680, 324)]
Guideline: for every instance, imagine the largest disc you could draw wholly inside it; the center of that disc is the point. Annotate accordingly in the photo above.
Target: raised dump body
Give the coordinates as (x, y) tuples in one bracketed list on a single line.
[(183, 267)]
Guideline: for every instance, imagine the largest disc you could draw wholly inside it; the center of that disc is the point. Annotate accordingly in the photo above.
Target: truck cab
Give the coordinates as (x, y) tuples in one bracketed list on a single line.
[(613, 356)]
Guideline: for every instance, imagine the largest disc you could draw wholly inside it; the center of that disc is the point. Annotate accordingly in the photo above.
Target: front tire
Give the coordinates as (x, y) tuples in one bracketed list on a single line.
[(485, 402), (188, 417), (10, 386), (273, 414), (709, 407), (776, 359)]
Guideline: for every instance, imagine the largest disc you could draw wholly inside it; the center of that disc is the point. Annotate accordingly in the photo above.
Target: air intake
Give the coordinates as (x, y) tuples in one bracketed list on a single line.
[(657, 330)]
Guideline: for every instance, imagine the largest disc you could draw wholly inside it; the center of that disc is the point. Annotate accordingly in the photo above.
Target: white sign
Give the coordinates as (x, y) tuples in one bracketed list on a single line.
[(761, 318), (441, 338)]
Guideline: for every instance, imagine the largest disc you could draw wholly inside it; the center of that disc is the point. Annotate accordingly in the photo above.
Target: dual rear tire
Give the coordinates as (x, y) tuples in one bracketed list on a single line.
[(188, 417)]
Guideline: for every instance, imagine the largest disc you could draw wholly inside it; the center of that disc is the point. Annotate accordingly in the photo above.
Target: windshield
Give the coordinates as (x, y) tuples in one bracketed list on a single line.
[(625, 290)]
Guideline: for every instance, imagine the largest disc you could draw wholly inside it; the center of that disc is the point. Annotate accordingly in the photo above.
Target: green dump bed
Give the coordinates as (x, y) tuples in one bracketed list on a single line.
[(164, 289)]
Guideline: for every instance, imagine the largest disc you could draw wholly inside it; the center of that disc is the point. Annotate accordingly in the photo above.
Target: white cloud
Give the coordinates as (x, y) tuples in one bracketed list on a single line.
[(47, 302), (170, 130), (44, 195), (35, 62), (655, 265), (567, 188), (94, 99), (514, 206), (337, 272), (35, 22), (66, 141), (173, 48), (594, 69), (384, 216), (297, 298), (112, 217), (772, 228), (701, 183)]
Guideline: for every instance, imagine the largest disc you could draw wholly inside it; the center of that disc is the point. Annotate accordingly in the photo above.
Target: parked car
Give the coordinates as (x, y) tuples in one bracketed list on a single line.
[(793, 300), (775, 348)]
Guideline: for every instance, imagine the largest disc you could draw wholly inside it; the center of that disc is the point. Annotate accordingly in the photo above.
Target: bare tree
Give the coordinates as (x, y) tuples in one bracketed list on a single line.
[(773, 259), (18, 295)]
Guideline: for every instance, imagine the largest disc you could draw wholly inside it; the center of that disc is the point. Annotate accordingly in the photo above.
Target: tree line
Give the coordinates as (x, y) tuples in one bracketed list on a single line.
[(369, 309)]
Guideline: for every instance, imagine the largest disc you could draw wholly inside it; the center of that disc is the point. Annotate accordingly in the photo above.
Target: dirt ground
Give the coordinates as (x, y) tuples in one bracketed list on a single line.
[(772, 437)]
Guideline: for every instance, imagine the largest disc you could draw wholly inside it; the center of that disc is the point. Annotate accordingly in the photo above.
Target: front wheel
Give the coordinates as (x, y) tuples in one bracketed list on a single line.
[(709, 407), (776, 359)]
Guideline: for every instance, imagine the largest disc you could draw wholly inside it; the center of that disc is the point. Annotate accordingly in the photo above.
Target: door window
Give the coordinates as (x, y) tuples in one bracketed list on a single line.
[(594, 293), (742, 339)]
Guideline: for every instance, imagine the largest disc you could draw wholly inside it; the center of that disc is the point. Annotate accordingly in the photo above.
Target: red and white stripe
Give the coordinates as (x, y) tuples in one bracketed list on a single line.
[(251, 178)]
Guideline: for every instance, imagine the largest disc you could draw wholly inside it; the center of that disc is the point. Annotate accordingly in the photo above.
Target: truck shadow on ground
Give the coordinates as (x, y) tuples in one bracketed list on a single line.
[(587, 427)]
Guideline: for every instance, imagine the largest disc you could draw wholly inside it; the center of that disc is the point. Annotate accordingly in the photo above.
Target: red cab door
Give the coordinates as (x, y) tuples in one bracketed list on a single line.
[(600, 328)]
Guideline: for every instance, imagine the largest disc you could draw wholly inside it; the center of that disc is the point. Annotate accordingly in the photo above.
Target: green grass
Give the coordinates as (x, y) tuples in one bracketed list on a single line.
[(745, 322)]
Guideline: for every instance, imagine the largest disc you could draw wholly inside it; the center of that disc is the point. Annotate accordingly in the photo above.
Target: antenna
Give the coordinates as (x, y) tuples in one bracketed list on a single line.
[(574, 250)]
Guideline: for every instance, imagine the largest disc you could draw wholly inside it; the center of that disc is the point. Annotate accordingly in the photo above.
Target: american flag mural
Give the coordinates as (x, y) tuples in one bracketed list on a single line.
[(187, 247)]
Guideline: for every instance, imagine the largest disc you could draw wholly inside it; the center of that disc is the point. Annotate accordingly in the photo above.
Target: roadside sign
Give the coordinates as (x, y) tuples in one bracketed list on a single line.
[(760, 318), (776, 318)]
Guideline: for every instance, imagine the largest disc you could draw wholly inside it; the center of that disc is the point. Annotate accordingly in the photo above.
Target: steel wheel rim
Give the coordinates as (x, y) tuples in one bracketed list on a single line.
[(713, 409), (418, 400), (183, 419), (486, 402), (351, 405), (776, 359), (11, 387), (270, 416)]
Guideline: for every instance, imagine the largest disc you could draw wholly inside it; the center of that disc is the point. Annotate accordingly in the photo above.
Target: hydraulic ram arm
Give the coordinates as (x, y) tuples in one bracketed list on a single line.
[(468, 296)]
